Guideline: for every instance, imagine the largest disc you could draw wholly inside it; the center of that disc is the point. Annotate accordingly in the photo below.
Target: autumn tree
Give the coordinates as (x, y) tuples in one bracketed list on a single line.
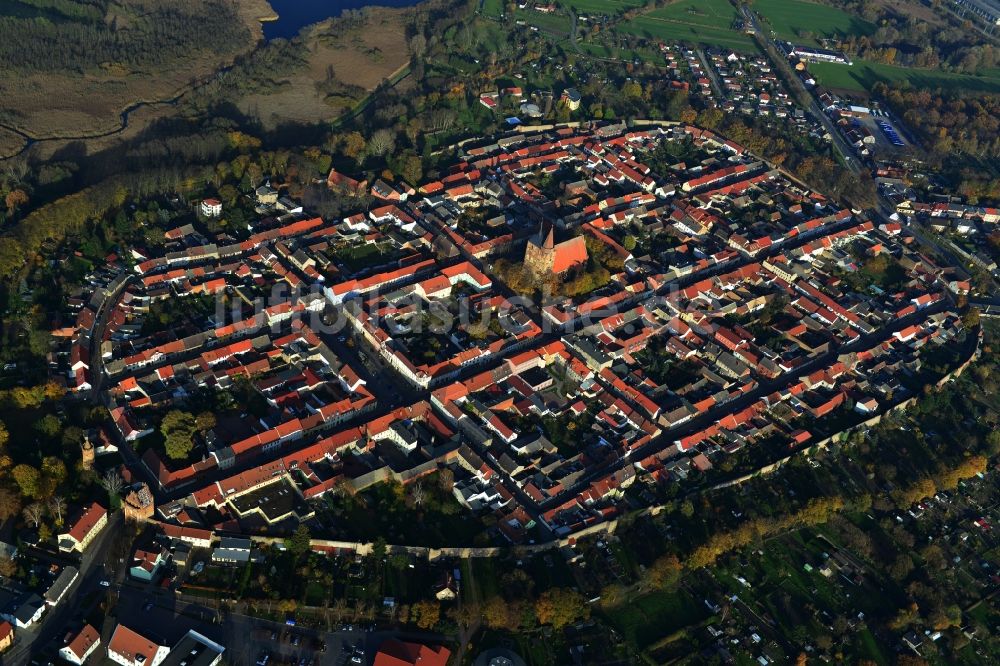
[(612, 595), (464, 615), (205, 421), (381, 142), (901, 567), (298, 543), (446, 479), (918, 490), (352, 144), (10, 504), (904, 617), (410, 168), (28, 480), (15, 199), (949, 476), (112, 482), (57, 507), (178, 430), (33, 513), (496, 613), (664, 572), (560, 607), (53, 475), (425, 614), (970, 319)]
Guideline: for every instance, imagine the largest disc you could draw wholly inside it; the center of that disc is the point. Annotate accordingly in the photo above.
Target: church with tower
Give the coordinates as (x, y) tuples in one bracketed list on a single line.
[(544, 257)]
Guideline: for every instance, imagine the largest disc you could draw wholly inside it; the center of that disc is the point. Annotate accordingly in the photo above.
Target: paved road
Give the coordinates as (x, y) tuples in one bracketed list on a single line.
[(391, 395), (665, 440), (55, 621), (97, 336), (408, 395), (954, 261), (713, 77), (699, 423), (774, 54), (250, 637), (466, 633)]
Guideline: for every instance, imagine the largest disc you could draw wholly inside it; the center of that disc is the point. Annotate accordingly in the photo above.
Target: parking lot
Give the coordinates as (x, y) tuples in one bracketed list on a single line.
[(164, 617), (256, 642), (281, 645), (889, 143)]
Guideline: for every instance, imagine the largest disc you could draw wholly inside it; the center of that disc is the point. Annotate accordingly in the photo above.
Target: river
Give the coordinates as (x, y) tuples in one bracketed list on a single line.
[(293, 15)]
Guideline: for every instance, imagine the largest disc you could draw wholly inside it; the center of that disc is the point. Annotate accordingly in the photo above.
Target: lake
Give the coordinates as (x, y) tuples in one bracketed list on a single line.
[(293, 15)]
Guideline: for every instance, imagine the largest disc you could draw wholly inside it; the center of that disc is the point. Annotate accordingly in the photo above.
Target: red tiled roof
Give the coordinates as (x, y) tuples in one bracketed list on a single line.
[(128, 644), (569, 254), (185, 533), (87, 520), (398, 653)]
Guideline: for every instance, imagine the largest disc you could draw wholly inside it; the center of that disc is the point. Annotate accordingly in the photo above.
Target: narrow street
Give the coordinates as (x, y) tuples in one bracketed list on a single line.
[(97, 336), (713, 77), (800, 90), (465, 634), (668, 436), (54, 623)]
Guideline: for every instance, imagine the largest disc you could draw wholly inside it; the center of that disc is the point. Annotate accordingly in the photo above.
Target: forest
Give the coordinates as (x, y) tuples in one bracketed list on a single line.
[(950, 125), (906, 39), (947, 122)]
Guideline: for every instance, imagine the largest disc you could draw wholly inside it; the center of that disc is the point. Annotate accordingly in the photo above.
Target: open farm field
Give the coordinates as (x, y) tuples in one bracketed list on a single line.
[(708, 23), (791, 19)]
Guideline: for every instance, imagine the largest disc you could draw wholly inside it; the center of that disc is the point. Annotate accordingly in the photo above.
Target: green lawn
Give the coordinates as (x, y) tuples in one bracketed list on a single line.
[(863, 74), (612, 53), (381, 511), (409, 585), (484, 577), (601, 7), (549, 570), (709, 13), (556, 24), (694, 22), (789, 18), (651, 617), (868, 648), (689, 33), (316, 593), (357, 257), (493, 7)]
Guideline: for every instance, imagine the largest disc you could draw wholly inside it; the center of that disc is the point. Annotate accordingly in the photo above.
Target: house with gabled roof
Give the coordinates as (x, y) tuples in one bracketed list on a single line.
[(81, 646), (87, 523)]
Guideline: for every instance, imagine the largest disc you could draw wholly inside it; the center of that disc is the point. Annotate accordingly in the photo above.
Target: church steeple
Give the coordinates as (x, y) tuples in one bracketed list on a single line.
[(550, 239), (545, 240)]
